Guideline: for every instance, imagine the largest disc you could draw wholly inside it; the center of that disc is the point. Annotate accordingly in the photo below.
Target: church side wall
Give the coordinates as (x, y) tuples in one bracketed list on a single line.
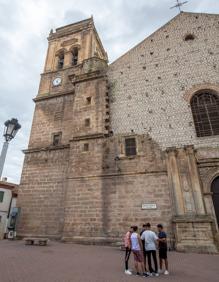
[(106, 189)]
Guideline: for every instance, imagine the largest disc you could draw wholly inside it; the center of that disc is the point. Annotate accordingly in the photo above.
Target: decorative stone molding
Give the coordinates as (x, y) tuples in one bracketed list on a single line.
[(60, 51), (69, 42), (198, 87), (207, 177)]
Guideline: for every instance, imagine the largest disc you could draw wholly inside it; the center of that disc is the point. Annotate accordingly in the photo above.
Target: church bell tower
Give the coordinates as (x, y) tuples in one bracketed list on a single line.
[(70, 121)]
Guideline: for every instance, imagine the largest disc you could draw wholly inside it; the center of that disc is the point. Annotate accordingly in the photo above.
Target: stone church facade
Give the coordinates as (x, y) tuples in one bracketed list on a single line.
[(127, 143)]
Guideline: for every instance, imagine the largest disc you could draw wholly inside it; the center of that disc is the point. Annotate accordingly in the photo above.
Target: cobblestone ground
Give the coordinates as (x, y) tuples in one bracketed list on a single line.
[(60, 262)]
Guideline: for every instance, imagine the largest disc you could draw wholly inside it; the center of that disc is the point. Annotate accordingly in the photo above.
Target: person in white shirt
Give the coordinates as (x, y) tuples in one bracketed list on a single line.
[(150, 239), (137, 249)]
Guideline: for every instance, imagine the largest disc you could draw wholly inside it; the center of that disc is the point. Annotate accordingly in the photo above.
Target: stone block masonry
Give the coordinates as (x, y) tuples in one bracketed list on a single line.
[(106, 140), (149, 84)]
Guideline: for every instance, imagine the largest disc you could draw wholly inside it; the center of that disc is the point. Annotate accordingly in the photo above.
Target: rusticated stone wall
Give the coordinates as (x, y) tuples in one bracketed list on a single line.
[(106, 189), (41, 196)]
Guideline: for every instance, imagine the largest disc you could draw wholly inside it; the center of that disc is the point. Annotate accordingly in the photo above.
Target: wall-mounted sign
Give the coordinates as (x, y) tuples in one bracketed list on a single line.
[(149, 206)]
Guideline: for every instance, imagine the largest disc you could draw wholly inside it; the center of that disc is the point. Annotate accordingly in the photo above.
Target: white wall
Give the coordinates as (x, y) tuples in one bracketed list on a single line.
[(4, 208)]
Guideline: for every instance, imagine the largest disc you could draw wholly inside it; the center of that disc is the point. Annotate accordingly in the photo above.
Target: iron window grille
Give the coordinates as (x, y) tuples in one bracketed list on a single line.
[(56, 139), (205, 110), (130, 147)]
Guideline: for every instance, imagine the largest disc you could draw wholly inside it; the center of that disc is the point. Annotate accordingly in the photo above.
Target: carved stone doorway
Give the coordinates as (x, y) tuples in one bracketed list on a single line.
[(215, 196)]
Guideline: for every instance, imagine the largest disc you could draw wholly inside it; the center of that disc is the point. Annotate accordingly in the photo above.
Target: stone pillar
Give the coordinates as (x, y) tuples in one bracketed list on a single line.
[(68, 59), (174, 177), (56, 63), (193, 229), (195, 182)]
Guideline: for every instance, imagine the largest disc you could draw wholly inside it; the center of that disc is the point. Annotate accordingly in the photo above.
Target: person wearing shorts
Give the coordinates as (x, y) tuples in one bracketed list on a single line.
[(137, 249), (162, 244)]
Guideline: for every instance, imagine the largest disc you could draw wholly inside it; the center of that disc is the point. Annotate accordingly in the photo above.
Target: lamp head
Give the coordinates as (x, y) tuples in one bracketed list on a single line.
[(11, 128)]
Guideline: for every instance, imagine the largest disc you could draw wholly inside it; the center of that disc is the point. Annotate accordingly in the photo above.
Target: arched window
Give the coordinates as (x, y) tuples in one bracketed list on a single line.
[(61, 57), (74, 52), (205, 110)]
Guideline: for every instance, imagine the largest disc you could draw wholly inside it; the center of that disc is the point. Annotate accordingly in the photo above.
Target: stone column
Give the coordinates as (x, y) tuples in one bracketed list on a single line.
[(175, 180), (56, 63), (68, 59), (195, 181)]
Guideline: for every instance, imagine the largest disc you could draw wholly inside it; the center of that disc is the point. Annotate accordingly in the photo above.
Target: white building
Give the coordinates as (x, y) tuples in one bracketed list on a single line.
[(8, 197)]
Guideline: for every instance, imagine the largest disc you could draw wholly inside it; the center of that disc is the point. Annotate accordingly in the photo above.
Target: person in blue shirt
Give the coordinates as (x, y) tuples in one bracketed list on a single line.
[(162, 244)]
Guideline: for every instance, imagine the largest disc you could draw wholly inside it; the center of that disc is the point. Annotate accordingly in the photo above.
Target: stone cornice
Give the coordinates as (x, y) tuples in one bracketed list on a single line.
[(193, 218), (51, 96), (44, 149), (72, 28), (109, 175), (74, 68), (87, 76), (87, 137)]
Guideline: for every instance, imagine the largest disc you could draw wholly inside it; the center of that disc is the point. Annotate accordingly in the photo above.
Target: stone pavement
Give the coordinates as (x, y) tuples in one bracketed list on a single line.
[(60, 262)]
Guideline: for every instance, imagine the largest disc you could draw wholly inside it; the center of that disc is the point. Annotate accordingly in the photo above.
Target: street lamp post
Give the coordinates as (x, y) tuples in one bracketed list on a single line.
[(11, 128)]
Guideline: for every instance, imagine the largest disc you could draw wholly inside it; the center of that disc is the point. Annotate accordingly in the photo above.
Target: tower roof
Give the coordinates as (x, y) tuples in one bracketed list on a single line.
[(72, 28)]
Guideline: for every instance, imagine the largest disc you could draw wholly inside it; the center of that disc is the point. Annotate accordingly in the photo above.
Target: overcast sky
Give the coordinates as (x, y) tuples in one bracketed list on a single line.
[(24, 27)]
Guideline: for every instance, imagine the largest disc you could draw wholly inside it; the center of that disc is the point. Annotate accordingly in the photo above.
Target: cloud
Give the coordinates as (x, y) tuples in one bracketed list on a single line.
[(24, 27)]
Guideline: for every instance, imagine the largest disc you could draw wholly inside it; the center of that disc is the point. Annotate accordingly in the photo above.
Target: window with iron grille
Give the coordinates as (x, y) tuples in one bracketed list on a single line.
[(87, 122), (130, 146), (205, 110), (86, 147), (57, 139)]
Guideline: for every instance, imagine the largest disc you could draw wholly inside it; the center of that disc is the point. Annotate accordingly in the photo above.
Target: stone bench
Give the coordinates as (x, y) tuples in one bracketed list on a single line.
[(36, 241)]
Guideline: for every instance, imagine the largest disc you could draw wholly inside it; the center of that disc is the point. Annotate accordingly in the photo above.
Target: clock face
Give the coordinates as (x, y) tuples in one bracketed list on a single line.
[(57, 81)]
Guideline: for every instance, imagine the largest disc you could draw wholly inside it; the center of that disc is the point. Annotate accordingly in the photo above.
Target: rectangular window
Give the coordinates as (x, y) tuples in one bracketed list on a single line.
[(130, 147), (86, 147), (88, 99), (56, 139), (1, 196), (87, 122)]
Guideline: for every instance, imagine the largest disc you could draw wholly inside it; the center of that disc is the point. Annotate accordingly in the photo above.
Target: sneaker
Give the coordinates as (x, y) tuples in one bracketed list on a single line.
[(166, 272), (149, 274), (137, 274), (145, 274), (156, 274), (128, 272)]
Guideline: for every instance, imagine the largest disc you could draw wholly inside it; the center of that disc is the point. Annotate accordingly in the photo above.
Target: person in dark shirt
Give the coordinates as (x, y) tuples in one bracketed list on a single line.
[(143, 243), (162, 244)]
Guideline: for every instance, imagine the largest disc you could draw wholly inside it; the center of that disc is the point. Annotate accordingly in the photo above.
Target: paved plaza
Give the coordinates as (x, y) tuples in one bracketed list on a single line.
[(60, 262)]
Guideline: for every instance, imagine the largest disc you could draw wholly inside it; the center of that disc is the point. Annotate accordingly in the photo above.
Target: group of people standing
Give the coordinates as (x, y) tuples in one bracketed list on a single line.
[(144, 246)]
